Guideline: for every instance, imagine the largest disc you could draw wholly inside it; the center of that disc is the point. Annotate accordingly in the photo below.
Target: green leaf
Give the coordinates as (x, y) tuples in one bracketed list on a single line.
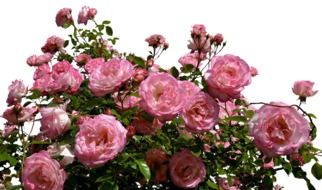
[(66, 43), (109, 30), (317, 171), (106, 22), (211, 184), (144, 169), (136, 60), (35, 94), (237, 118), (187, 68), (174, 72), (108, 186), (6, 157)]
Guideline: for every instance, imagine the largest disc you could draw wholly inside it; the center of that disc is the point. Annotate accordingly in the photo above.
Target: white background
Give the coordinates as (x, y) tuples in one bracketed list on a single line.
[(281, 38)]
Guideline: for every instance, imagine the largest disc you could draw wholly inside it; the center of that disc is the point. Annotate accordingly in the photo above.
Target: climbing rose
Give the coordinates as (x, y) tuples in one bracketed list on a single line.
[(16, 91), (64, 17)]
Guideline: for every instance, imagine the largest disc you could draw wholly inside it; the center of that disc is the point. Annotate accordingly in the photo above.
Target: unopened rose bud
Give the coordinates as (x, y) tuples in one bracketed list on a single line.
[(218, 39)]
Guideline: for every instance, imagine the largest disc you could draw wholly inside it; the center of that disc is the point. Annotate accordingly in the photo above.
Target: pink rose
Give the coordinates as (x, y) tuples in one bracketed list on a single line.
[(35, 60), (53, 44), (304, 88), (190, 88), (54, 121), (86, 14), (198, 30), (16, 91), (64, 17), (162, 96), (200, 40), (218, 39), (42, 77), (8, 130), (93, 64), (126, 102), (82, 59), (15, 115), (227, 77), (186, 170), (140, 74), (279, 130), (156, 40), (200, 113), (99, 140), (107, 77), (253, 71), (189, 59), (228, 111), (66, 77), (40, 172)]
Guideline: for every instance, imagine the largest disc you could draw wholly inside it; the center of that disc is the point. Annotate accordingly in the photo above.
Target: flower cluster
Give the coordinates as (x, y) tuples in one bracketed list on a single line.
[(111, 119)]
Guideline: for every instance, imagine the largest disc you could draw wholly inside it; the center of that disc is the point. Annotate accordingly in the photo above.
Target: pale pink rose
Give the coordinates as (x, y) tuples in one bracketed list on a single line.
[(156, 40), (53, 44), (64, 17), (17, 90), (40, 172), (107, 77), (189, 59), (35, 60), (86, 14), (218, 39), (145, 127), (99, 140), (190, 89), (227, 77), (279, 130), (126, 102), (186, 170), (162, 96), (54, 121), (304, 88), (66, 78), (15, 115), (82, 59), (93, 64), (8, 130), (140, 74), (253, 71), (200, 113), (42, 77)]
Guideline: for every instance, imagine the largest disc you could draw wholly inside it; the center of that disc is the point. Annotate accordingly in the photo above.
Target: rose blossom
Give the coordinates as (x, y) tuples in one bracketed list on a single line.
[(35, 60), (200, 40), (86, 14), (8, 130), (14, 115), (107, 77), (66, 77), (190, 88), (227, 77), (93, 64), (227, 109), (218, 38), (140, 74), (200, 113), (156, 40), (162, 96), (16, 91), (40, 172), (126, 102), (64, 17), (157, 160), (186, 170), (223, 183), (82, 59), (54, 121), (189, 59), (253, 71), (304, 88), (99, 140), (42, 77), (279, 130), (53, 44)]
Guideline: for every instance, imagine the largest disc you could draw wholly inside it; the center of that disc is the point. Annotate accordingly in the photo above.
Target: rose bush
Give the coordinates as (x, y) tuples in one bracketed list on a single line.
[(97, 118)]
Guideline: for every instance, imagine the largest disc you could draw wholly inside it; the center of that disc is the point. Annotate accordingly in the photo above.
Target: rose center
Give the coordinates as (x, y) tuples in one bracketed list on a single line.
[(278, 130)]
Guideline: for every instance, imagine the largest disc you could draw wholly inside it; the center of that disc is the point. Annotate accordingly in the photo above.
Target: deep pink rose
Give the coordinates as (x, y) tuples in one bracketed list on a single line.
[(64, 17), (304, 88), (189, 59), (35, 60), (279, 130), (107, 77), (190, 89), (227, 77), (15, 115), (16, 91), (40, 172), (162, 96), (218, 38), (66, 77), (86, 14), (99, 140), (186, 170), (54, 121), (200, 113), (42, 77), (156, 40), (53, 44)]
